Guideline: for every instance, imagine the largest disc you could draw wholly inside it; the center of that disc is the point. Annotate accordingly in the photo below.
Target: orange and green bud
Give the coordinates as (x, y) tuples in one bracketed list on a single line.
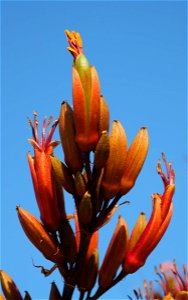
[(85, 210), (104, 116), (102, 151), (41, 172), (136, 156), (114, 254), (67, 132), (62, 174), (54, 292), (115, 165), (9, 288), (137, 230), (39, 237), (86, 96)]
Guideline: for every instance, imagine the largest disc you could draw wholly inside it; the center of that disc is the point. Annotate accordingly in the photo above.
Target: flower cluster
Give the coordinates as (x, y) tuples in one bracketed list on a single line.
[(174, 286), (98, 169)]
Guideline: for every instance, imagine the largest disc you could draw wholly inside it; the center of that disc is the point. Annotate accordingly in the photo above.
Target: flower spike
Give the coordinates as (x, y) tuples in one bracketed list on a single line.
[(156, 226)]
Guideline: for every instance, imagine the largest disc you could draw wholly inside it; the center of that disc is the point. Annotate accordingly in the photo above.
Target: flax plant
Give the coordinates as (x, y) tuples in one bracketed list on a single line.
[(98, 169)]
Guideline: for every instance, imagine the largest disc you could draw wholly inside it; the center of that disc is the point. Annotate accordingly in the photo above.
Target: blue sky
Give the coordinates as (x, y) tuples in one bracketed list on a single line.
[(139, 51)]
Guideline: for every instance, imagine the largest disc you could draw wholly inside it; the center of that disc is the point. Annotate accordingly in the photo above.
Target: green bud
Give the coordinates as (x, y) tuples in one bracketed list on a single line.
[(80, 184), (102, 151), (85, 209), (62, 174)]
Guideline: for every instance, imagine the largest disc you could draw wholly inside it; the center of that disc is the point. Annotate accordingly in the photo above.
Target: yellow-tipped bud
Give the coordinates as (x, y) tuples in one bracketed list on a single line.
[(85, 209), (9, 288), (114, 254), (136, 156), (80, 184), (39, 237), (138, 229), (104, 116), (54, 292), (72, 153), (63, 174), (102, 151), (115, 165)]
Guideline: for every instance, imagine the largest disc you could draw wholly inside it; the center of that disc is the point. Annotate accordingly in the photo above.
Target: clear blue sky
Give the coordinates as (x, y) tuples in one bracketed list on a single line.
[(139, 50)]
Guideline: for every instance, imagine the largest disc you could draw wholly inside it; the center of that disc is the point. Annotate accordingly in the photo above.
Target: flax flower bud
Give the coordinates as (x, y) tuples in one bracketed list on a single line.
[(102, 151), (89, 271), (39, 237), (68, 242), (67, 133), (63, 174), (41, 173), (9, 288), (85, 210), (137, 230), (27, 296), (80, 184), (156, 226), (136, 156), (114, 254), (115, 165), (54, 292), (86, 96), (104, 116)]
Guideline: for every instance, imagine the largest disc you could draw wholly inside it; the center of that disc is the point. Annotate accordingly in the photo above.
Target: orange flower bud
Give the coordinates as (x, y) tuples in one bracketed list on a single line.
[(39, 237), (67, 132), (104, 116), (136, 156), (114, 254), (9, 288), (115, 165), (1, 297), (41, 172)]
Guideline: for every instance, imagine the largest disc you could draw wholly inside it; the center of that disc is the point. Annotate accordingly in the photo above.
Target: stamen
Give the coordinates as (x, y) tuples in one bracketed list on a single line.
[(50, 134), (75, 43), (44, 127), (169, 179), (35, 124)]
